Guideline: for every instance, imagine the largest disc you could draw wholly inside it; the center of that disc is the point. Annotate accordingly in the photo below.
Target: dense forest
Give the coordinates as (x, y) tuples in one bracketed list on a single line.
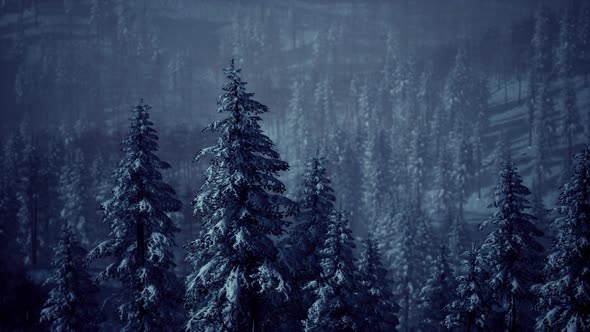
[(404, 165)]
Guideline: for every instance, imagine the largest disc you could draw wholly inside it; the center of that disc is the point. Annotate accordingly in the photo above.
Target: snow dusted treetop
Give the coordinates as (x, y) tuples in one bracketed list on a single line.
[(565, 297), (336, 304), (142, 234), (315, 205), (511, 251), (237, 281), (71, 306), (307, 236), (377, 300)]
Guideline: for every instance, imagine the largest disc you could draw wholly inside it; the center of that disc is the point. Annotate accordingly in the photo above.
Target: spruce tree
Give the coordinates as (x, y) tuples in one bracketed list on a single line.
[(436, 294), (71, 305), (470, 305), (70, 194), (566, 65), (541, 65), (141, 237), (237, 281), (336, 289), (376, 301), (302, 247), (376, 179), (511, 252), (565, 296), (408, 250)]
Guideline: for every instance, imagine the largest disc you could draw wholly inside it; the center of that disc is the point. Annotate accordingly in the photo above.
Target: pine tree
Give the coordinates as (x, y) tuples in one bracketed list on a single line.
[(71, 305), (336, 300), (583, 54), (298, 126), (306, 237), (470, 305), (436, 294), (141, 235), (511, 252), (407, 248), (565, 296), (566, 64), (543, 133), (376, 178), (70, 194), (377, 304), (542, 64), (237, 280)]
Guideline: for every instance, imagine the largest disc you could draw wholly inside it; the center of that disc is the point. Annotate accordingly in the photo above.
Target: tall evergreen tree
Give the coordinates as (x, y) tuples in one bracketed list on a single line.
[(336, 289), (583, 40), (376, 301), (565, 296), (566, 65), (71, 305), (237, 280), (376, 178), (541, 65), (470, 305), (543, 133), (436, 294), (70, 194), (141, 235), (407, 248), (302, 247), (511, 252)]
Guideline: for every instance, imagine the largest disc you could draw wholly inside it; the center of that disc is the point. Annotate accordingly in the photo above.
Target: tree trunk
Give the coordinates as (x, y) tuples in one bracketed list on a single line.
[(512, 321)]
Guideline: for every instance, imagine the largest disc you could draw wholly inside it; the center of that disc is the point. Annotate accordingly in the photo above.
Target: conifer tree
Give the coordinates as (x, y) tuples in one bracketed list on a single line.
[(237, 281), (376, 301), (71, 305), (541, 65), (542, 133), (565, 296), (511, 252), (566, 65), (583, 40), (302, 247), (407, 248), (376, 178), (141, 235), (336, 289), (470, 305), (70, 194), (436, 294)]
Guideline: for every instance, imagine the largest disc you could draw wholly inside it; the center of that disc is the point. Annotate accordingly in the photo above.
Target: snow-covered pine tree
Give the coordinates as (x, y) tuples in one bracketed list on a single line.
[(541, 65), (565, 296), (141, 235), (301, 249), (543, 133), (408, 250), (297, 123), (336, 288), (470, 305), (583, 55), (566, 65), (237, 281), (437, 293), (376, 179), (71, 305), (376, 300), (70, 194), (511, 252)]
